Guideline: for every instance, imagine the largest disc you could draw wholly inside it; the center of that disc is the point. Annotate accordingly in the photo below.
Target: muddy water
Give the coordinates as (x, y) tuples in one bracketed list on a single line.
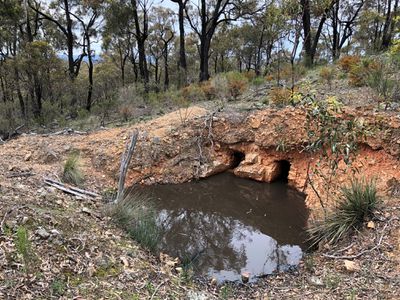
[(227, 225)]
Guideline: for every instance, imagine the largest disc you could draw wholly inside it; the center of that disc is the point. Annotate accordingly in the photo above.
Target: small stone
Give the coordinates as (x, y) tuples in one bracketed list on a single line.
[(55, 232), (371, 225), (351, 266), (28, 156), (213, 281), (316, 281), (245, 277), (42, 233), (179, 270)]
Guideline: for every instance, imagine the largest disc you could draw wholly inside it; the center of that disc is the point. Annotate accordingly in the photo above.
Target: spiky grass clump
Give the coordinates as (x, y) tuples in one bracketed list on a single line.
[(136, 214), (72, 170), (356, 204)]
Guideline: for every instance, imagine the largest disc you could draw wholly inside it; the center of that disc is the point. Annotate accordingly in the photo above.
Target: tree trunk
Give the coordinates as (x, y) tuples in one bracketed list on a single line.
[(204, 49), (182, 51), (166, 71), (19, 94)]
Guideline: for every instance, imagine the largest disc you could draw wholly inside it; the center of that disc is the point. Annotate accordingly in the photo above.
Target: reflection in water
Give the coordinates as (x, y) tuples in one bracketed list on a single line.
[(229, 225)]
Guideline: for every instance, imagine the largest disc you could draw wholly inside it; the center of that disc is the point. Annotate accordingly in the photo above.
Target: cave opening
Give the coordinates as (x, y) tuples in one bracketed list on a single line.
[(237, 158), (283, 168)]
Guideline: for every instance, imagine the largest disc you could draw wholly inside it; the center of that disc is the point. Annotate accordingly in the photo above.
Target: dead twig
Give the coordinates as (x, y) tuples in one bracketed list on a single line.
[(156, 290)]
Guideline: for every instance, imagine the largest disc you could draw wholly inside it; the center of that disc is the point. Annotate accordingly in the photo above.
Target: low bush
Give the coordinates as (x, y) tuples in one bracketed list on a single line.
[(327, 75), (348, 62), (280, 96), (237, 84), (193, 93), (24, 247), (355, 205), (358, 75), (136, 214), (126, 112), (383, 81), (72, 170), (208, 89), (257, 81)]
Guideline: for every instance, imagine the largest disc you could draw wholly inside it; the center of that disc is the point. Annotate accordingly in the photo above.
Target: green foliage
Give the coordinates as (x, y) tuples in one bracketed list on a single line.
[(72, 170), (226, 292), (258, 81), (356, 204), (58, 287), (24, 247), (136, 214), (382, 79), (335, 137)]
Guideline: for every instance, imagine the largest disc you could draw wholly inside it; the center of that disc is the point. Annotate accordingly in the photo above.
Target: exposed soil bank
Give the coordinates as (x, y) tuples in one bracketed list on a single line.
[(172, 151)]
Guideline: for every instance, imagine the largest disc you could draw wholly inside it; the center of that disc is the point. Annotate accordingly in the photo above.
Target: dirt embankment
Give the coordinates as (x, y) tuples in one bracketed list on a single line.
[(80, 249)]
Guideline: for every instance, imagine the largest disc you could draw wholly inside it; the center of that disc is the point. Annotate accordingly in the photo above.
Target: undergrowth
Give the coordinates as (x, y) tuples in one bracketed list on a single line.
[(136, 214), (24, 247), (355, 205), (72, 170)]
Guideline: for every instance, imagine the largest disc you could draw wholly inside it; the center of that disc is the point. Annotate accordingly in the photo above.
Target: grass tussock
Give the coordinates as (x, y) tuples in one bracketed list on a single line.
[(356, 204), (136, 214), (72, 172)]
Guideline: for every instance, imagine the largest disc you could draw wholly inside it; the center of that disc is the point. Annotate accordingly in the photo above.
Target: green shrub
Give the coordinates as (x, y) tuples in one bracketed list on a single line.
[(356, 204), (24, 247), (136, 214), (72, 170), (383, 81), (257, 81)]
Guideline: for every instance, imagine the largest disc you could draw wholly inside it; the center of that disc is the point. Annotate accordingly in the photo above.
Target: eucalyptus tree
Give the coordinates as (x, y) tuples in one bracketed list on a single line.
[(61, 14), (314, 12), (204, 18), (182, 64), (162, 29), (343, 18), (89, 16)]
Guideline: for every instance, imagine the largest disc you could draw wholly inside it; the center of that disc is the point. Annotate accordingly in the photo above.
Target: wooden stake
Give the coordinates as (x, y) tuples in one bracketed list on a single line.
[(125, 160)]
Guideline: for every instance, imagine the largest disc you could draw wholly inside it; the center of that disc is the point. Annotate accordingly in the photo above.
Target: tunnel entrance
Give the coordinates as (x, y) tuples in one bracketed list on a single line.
[(237, 158), (282, 171)]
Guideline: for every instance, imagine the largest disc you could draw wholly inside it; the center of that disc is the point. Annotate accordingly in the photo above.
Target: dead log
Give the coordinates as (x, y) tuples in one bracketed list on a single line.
[(125, 160)]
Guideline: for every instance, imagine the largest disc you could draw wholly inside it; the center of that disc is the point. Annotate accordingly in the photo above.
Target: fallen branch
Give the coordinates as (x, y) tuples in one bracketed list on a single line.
[(22, 174), (125, 160), (66, 131), (70, 189)]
